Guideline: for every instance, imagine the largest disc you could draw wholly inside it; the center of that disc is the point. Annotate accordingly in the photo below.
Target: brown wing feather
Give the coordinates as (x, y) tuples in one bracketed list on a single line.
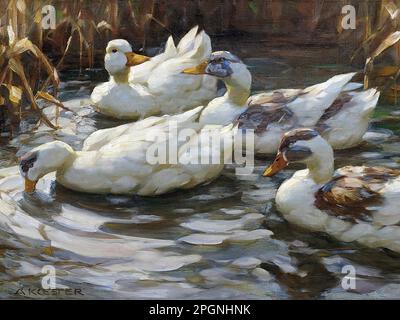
[(351, 195), (268, 108), (374, 177), (347, 198), (260, 117)]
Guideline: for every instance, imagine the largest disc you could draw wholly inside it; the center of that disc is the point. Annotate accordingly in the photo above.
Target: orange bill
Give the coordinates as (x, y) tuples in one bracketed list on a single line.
[(135, 59), (278, 164), (30, 186), (200, 69)]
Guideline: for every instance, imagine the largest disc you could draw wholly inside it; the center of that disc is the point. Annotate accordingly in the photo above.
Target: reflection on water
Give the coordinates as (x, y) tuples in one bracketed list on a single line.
[(220, 241)]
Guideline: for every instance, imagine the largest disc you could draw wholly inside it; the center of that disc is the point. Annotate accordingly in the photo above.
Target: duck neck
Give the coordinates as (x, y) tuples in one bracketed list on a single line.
[(237, 95), (321, 166), (121, 77), (238, 88)]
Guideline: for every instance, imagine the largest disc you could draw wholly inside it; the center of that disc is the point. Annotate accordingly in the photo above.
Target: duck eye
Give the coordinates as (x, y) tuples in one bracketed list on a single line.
[(114, 50)]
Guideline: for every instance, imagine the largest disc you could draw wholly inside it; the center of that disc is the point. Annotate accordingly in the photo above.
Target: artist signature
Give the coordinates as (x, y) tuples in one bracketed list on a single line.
[(29, 292)]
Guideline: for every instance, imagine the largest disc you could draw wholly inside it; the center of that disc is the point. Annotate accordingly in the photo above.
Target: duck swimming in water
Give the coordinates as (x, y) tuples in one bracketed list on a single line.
[(129, 163), (164, 90), (343, 122), (340, 113), (117, 98), (351, 204)]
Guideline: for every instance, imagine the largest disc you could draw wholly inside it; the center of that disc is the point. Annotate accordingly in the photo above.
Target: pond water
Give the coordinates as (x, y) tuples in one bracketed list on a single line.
[(224, 240)]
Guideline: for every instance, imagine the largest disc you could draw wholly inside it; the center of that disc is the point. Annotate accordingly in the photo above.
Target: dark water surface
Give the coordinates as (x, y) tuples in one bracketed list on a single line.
[(220, 241)]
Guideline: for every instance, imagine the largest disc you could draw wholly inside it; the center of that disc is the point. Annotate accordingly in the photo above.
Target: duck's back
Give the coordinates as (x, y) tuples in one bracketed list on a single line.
[(340, 114), (134, 162), (140, 73), (362, 194), (178, 92), (359, 204), (101, 138)]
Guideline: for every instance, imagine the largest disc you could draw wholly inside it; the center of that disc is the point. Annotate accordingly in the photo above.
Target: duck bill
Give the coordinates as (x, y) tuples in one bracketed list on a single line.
[(278, 164), (135, 59), (30, 186), (200, 69)]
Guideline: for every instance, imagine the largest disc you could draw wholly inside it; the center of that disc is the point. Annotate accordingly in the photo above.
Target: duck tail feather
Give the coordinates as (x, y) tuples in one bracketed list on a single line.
[(170, 48), (201, 49), (187, 42), (364, 102), (334, 84), (371, 100), (351, 86)]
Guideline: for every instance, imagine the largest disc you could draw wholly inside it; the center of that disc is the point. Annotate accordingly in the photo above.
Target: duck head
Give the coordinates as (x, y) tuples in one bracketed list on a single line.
[(42, 160), (227, 67), (119, 57), (221, 64), (304, 146)]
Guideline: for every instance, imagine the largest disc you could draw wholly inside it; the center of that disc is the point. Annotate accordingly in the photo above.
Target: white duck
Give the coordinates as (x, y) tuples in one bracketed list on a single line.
[(134, 164), (164, 90), (352, 204), (340, 114), (117, 98)]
